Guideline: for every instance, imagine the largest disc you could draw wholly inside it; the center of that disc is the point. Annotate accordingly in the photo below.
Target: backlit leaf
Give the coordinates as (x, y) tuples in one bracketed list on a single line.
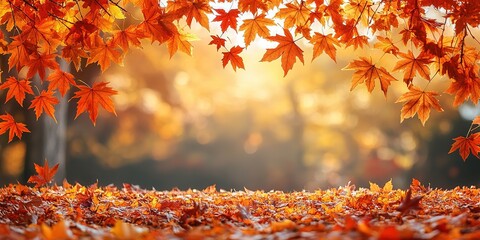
[(44, 103), (258, 26), (233, 57), (466, 145), (90, 97), (286, 48), (16, 88), (411, 65), (418, 102), (367, 72), (14, 128)]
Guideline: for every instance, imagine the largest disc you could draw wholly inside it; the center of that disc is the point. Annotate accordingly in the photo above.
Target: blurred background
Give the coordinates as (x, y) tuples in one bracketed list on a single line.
[(185, 122)]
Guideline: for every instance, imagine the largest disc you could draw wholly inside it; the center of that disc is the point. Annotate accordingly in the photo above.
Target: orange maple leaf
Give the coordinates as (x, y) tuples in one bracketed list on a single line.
[(61, 80), (418, 101), (286, 48), (227, 19), (17, 89), (44, 175), (157, 24), (44, 103), (256, 26), (179, 41), (198, 9), (233, 57), (324, 43), (20, 51), (467, 145), (127, 37), (252, 6), (15, 128), (104, 53), (217, 41), (74, 53), (386, 45), (90, 97), (463, 88), (295, 14), (411, 64), (366, 72), (38, 63)]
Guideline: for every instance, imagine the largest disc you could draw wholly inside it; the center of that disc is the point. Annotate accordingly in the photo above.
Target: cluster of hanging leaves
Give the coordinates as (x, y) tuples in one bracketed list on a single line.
[(430, 39), (78, 212)]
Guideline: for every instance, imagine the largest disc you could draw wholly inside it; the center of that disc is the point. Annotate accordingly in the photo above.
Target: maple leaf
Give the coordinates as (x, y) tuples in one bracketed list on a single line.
[(17, 89), (217, 41), (252, 6), (409, 203), (127, 37), (418, 101), (60, 80), (20, 51), (258, 26), (91, 97), (411, 65), (44, 103), (198, 9), (286, 48), (74, 53), (157, 24), (357, 42), (366, 72), (14, 128), (467, 145), (180, 41), (463, 88), (324, 43), (38, 64), (104, 53), (386, 45), (44, 175), (233, 57), (295, 14), (227, 19)]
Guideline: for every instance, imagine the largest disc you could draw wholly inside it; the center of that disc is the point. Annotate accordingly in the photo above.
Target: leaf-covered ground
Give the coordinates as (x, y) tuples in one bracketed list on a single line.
[(80, 212)]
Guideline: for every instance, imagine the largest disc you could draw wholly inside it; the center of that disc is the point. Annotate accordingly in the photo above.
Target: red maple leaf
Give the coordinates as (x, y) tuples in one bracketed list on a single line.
[(14, 128), (44, 175), (227, 19), (17, 89), (91, 97), (38, 63), (217, 41), (466, 145), (233, 58), (44, 103), (61, 80), (104, 53)]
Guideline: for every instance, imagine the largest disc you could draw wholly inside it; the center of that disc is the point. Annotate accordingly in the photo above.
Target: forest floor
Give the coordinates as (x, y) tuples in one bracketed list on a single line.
[(86, 212)]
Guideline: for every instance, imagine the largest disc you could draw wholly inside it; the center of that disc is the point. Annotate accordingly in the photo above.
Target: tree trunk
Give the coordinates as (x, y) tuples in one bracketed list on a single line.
[(48, 139)]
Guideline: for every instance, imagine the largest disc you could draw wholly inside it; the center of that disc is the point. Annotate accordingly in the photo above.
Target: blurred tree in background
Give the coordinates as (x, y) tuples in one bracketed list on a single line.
[(252, 129), (184, 122)]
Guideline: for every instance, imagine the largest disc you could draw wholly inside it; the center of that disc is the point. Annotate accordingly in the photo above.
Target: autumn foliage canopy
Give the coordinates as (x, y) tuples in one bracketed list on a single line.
[(430, 39)]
